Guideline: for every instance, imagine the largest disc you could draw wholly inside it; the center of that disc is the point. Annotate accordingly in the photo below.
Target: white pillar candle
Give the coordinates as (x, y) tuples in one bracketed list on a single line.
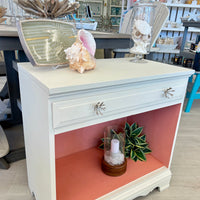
[(114, 146)]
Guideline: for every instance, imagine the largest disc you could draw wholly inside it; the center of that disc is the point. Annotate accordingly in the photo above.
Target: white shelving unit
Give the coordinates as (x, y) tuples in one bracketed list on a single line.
[(115, 15), (96, 8), (176, 12), (114, 12)]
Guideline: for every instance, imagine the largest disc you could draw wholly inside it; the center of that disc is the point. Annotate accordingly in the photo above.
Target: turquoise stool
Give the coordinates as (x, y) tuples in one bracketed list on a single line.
[(193, 94)]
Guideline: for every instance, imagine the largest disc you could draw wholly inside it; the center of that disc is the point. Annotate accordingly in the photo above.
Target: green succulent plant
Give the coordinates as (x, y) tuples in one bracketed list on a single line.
[(136, 146)]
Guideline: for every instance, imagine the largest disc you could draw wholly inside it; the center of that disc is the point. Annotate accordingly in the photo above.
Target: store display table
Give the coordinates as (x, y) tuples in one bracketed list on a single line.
[(9, 43), (62, 130), (104, 40)]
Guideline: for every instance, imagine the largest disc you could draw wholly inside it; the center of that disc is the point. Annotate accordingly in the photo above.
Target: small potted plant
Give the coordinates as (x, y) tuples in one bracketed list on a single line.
[(136, 146)]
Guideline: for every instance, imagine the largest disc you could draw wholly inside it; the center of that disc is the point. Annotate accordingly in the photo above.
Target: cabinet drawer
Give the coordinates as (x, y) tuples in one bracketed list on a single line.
[(97, 107)]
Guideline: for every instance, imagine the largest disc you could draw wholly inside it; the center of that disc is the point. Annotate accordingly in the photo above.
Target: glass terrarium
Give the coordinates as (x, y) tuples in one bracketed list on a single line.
[(114, 161), (141, 22)]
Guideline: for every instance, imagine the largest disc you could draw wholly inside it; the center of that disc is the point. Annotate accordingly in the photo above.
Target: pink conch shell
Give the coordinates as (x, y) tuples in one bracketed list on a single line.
[(88, 41), (81, 53)]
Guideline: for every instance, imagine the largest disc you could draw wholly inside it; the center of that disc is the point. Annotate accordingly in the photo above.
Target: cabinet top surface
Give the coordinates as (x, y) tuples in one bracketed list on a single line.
[(108, 72)]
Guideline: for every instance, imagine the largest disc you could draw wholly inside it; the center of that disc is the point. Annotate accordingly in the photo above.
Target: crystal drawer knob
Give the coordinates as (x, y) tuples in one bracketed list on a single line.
[(99, 108), (168, 93)]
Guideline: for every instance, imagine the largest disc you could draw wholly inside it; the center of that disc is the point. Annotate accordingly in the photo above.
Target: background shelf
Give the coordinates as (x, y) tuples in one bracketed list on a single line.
[(115, 15), (180, 5), (181, 29), (117, 6), (174, 51)]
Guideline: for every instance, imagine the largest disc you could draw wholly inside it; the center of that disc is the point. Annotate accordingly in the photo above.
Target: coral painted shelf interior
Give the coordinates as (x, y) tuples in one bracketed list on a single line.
[(78, 165)]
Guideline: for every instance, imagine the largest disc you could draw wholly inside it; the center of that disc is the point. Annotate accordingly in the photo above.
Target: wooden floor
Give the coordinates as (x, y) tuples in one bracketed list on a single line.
[(185, 183)]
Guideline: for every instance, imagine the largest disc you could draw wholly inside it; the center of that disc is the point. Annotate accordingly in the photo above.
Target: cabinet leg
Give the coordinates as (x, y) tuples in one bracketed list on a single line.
[(3, 164), (164, 185), (107, 53), (33, 196)]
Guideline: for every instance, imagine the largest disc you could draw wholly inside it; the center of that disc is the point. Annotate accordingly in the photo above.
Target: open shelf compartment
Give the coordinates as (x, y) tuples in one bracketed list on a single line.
[(78, 160)]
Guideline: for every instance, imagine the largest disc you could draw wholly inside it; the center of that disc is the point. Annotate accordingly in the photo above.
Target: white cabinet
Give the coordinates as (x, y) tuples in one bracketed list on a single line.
[(62, 130)]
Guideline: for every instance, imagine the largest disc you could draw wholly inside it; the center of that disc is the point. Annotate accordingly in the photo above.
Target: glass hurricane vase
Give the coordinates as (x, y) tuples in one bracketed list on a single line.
[(141, 22), (114, 161)]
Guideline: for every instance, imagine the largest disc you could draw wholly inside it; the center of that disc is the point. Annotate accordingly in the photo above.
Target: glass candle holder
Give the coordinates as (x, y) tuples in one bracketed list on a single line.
[(141, 21), (114, 161)]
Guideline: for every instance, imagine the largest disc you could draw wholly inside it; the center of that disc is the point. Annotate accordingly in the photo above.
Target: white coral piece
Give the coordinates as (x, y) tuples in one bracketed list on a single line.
[(141, 35), (143, 27)]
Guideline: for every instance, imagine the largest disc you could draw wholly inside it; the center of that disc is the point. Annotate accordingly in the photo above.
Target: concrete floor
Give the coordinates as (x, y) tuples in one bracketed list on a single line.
[(185, 183), (13, 182)]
